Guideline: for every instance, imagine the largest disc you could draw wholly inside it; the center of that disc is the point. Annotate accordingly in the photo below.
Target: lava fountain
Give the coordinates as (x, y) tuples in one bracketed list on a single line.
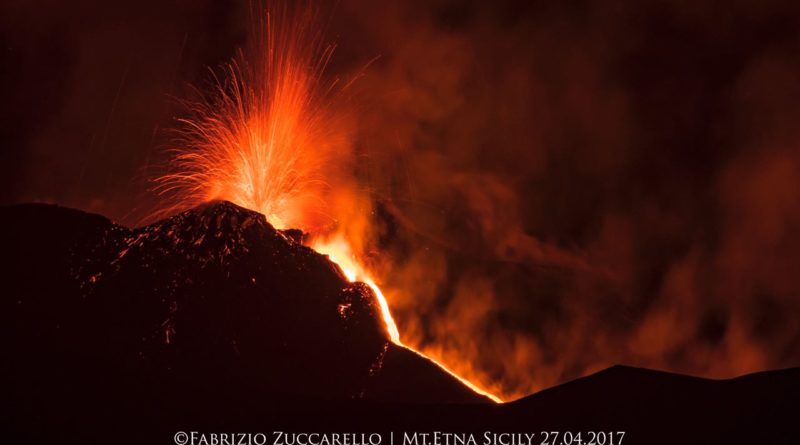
[(271, 138), (266, 136)]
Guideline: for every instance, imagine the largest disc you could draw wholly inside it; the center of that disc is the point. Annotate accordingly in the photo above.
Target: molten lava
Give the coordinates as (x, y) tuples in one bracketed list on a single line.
[(266, 137), (270, 139), (338, 250)]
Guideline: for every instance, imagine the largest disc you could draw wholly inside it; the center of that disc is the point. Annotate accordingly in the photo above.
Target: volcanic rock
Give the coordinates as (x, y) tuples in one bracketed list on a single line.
[(214, 321), (213, 299)]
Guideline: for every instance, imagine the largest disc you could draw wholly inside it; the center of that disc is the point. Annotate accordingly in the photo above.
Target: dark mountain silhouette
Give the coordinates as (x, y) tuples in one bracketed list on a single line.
[(212, 320)]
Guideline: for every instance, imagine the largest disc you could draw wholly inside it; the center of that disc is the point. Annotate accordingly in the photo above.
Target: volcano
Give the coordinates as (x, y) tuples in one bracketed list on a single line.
[(213, 291), (214, 319)]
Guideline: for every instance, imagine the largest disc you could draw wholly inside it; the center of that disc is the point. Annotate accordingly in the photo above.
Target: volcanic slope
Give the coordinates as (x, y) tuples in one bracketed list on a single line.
[(214, 294)]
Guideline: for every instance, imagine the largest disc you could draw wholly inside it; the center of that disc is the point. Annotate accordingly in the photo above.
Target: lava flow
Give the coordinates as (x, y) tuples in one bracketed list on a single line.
[(271, 139), (338, 251)]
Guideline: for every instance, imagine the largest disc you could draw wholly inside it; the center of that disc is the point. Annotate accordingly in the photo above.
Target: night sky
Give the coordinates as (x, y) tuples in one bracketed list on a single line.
[(559, 186)]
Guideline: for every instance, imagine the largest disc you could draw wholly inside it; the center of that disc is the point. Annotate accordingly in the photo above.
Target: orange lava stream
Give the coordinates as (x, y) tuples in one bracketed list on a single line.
[(338, 251)]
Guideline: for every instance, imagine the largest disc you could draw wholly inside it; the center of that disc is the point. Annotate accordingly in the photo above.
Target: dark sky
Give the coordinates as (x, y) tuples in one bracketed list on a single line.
[(88, 86), (583, 183)]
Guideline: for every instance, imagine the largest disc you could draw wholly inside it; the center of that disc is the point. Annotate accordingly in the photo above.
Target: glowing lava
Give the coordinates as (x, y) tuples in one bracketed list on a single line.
[(270, 139), (338, 250)]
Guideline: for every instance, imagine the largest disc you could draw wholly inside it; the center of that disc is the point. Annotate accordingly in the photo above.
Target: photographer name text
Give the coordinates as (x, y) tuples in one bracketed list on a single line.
[(403, 438)]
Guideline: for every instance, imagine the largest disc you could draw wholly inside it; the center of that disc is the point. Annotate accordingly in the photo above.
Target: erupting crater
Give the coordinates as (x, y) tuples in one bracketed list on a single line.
[(273, 137)]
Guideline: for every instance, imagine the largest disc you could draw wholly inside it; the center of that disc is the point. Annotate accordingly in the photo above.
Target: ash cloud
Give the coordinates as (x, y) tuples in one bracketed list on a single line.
[(570, 186)]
